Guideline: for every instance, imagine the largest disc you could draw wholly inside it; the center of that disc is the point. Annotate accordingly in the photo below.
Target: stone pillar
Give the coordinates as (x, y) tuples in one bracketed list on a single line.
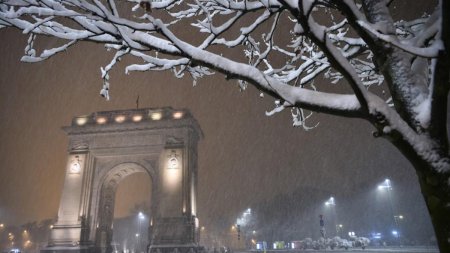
[(70, 223)]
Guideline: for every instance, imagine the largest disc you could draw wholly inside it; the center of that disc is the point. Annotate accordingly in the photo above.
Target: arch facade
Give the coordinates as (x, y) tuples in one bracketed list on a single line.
[(106, 147)]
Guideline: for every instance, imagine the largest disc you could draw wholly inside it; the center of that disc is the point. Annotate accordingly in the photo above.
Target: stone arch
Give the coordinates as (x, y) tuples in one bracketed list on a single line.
[(106, 147), (107, 193)]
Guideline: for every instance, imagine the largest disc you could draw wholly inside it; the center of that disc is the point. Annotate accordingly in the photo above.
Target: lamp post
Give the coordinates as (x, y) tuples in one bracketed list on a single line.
[(141, 217), (332, 204), (137, 242), (387, 186), (398, 220), (235, 236), (243, 222), (202, 236), (340, 227)]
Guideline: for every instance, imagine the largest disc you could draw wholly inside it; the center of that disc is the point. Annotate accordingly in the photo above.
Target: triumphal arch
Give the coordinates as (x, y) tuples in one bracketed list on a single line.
[(106, 147)]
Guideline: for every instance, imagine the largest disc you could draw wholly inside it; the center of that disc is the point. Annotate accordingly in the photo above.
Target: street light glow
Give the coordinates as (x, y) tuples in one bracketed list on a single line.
[(330, 202), (385, 185), (245, 217)]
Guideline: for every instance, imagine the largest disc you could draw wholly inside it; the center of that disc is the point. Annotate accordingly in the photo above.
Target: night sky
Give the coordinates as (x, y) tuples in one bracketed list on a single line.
[(245, 157)]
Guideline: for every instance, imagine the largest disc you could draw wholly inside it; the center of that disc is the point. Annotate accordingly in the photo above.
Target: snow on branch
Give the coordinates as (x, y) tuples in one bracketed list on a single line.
[(279, 46), (101, 23), (428, 52), (30, 52), (104, 92)]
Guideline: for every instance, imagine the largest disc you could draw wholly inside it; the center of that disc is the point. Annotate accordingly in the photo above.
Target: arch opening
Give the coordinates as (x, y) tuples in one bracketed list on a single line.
[(125, 210), (132, 214)]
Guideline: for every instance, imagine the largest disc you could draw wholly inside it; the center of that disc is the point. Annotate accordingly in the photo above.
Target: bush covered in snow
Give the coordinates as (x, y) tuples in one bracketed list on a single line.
[(334, 243)]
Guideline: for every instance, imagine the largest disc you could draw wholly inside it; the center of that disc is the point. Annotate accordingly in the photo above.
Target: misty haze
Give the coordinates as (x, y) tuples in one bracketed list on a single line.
[(220, 126)]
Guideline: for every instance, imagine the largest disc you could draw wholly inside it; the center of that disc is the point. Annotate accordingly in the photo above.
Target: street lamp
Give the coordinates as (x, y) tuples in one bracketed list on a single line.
[(340, 227), (387, 186), (398, 217), (141, 217), (332, 204), (137, 242)]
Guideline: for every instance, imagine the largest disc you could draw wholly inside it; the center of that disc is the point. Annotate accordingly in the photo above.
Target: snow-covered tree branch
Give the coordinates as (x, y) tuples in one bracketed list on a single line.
[(392, 72)]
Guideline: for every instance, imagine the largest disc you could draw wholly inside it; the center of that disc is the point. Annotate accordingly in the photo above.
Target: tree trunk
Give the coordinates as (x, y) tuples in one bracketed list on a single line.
[(435, 189)]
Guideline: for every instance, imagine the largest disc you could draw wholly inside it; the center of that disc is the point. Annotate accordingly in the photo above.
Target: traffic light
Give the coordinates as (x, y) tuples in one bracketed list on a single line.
[(239, 232)]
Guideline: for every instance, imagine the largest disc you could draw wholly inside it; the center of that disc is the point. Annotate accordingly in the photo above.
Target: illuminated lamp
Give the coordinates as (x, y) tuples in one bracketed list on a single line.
[(197, 223), (81, 121), (75, 166), (156, 116), (177, 115), (119, 118), (173, 163), (137, 118), (101, 120)]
